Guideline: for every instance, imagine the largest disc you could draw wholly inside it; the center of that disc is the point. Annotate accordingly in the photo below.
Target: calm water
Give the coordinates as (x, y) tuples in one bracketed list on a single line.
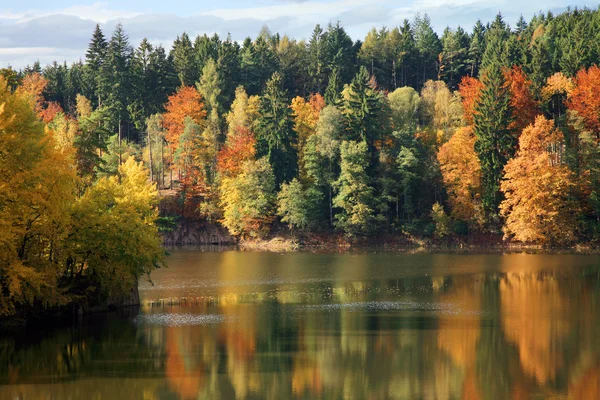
[(240, 325)]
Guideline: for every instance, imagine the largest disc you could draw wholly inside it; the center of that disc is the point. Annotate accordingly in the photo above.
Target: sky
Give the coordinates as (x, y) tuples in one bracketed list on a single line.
[(48, 30)]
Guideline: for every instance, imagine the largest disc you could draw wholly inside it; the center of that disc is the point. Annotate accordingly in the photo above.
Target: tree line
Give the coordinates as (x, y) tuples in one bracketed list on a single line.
[(493, 130)]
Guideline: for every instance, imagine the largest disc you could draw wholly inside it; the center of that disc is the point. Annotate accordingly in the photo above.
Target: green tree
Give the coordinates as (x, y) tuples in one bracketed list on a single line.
[(360, 209), (276, 138), (494, 142), (248, 199), (298, 207), (184, 60)]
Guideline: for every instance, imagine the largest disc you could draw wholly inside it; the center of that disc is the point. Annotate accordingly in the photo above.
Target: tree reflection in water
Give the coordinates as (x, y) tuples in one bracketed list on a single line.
[(372, 326)]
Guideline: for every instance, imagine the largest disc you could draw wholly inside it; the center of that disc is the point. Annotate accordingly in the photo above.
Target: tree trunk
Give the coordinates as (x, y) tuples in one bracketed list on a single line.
[(150, 156)]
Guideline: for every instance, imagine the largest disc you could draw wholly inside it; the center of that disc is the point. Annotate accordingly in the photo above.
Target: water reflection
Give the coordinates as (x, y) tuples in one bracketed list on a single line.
[(379, 326)]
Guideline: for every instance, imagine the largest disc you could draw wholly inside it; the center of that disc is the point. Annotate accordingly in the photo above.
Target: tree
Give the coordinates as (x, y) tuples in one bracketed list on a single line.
[(94, 58), (184, 61), (363, 111), (470, 90), (523, 105), (322, 153), (405, 104), (440, 109), (317, 60), (461, 172), (210, 86), (476, 49), (187, 102), (275, 137), (37, 187), (297, 206), (584, 98), (306, 115), (248, 199), (538, 189), (115, 80), (114, 237), (428, 45), (360, 210), (494, 143)]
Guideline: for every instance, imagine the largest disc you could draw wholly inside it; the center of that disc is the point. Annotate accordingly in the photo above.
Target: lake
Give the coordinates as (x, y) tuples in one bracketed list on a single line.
[(254, 325)]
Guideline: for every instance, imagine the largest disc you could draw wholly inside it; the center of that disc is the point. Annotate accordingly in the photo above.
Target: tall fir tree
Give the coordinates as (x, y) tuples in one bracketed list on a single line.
[(276, 137), (94, 58), (494, 143)]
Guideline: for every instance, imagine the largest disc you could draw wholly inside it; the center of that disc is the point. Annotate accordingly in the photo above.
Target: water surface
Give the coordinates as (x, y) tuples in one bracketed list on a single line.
[(251, 325)]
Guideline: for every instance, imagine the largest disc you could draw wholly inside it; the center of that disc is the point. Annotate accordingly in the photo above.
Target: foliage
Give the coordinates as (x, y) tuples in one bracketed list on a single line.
[(360, 210), (461, 172), (538, 189), (297, 206), (248, 199)]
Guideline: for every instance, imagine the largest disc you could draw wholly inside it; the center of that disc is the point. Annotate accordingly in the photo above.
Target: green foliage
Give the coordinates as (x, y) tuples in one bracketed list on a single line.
[(298, 207), (441, 221), (360, 209), (248, 200), (276, 137), (494, 144)]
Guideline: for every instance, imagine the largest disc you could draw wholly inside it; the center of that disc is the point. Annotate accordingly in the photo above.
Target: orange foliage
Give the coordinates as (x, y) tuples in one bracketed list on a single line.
[(50, 112), (469, 89), (461, 173), (239, 148), (537, 186), (585, 98), (525, 108), (187, 102)]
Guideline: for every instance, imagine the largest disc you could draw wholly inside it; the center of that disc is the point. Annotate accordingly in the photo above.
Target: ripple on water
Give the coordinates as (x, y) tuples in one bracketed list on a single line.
[(176, 319), (441, 308)]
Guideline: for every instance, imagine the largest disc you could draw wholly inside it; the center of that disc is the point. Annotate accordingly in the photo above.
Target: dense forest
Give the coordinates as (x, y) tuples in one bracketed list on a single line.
[(407, 132)]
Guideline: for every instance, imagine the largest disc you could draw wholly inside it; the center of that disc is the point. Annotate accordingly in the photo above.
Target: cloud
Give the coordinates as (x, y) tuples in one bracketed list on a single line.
[(64, 34)]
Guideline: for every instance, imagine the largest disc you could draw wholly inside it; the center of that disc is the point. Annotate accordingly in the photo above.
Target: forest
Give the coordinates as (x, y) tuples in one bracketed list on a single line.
[(406, 132)]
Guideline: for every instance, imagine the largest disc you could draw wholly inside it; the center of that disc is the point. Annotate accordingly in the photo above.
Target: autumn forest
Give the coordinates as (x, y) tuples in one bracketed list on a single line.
[(490, 130)]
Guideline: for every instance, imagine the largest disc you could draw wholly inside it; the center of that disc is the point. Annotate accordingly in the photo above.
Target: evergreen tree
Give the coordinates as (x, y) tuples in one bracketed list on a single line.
[(228, 64), (494, 142), (276, 138), (94, 58), (184, 60), (115, 80), (317, 60), (476, 49), (363, 111), (360, 210), (429, 47)]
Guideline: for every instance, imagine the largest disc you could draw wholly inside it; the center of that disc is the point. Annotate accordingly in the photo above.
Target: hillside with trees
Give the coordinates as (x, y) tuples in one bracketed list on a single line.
[(495, 130)]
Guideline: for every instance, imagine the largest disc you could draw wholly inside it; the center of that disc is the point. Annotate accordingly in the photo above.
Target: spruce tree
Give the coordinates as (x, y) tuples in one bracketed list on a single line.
[(494, 142), (184, 60), (476, 49), (94, 58), (317, 60), (276, 138)]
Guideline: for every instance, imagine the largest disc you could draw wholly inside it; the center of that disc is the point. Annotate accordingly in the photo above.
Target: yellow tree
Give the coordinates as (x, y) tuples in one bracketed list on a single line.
[(37, 186), (461, 173), (115, 239), (306, 115), (538, 187)]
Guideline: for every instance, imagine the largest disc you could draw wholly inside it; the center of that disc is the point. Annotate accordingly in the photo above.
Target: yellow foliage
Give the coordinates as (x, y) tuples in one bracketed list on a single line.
[(537, 187), (557, 84), (461, 173)]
